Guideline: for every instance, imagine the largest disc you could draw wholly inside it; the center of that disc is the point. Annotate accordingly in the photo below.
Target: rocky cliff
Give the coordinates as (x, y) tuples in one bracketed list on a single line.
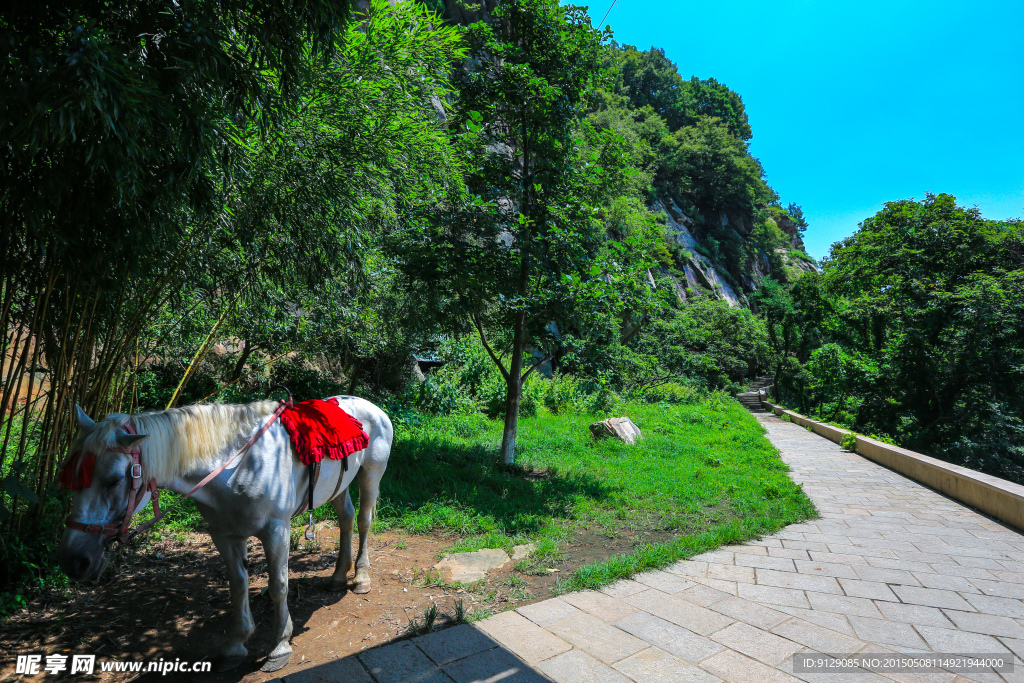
[(731, 281), (721, 254)]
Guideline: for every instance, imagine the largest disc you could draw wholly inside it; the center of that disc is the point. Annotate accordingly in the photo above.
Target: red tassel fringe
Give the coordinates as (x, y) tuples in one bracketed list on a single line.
[(76, 474), (321, 429)]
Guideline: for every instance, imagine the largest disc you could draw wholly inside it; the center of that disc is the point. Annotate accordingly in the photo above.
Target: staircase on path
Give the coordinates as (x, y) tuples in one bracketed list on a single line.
[(752, 397)]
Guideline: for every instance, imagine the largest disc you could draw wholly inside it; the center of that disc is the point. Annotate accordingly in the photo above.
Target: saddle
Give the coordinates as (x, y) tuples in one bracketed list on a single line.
[(320, 429)]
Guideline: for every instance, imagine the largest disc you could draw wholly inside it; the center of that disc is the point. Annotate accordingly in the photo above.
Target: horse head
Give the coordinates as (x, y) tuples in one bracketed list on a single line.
[(99, 473)]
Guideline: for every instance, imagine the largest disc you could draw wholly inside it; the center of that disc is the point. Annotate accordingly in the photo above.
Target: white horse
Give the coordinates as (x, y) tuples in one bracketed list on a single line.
[(255, 496)]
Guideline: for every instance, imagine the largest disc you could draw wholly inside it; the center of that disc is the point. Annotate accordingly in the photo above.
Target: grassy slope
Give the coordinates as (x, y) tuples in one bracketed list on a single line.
[(704, 473)]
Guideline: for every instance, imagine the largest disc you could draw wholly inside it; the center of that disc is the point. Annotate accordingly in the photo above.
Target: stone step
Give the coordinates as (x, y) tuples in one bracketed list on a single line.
[(750, 400)]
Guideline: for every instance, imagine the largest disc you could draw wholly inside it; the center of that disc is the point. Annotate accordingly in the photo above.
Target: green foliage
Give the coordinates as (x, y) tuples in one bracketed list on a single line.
[(298, 263), (913, 332), (26, 559), (469, 382), (564, 394), (769, 239), (932, 293), (690, 139), (671, 392), (710, 168), (494, 395), (705, 340), (650, 79), (121, 114)]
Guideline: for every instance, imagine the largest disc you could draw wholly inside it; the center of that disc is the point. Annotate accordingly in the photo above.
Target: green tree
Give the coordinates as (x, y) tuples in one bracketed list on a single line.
[(710, 168), (298, 258), (704, 339), (709, 98), (650, 79), (932, 294), (527, 260)]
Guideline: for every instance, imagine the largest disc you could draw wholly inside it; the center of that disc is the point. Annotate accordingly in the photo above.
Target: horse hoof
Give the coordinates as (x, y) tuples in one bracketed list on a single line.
[(362, 588), (222, 664), (275, 663), (337, 586)]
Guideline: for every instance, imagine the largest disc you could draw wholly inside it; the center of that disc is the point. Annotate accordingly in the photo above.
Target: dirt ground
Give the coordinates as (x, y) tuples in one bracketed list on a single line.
[(171, 601)]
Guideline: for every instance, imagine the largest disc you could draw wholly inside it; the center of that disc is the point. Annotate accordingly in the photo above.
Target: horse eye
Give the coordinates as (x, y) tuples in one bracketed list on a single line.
[(114, 480)]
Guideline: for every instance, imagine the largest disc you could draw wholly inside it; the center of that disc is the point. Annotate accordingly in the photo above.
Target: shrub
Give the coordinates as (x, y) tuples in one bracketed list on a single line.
[(673, 392), (441, 395), (601, 399), (564, 394), (494, 391)]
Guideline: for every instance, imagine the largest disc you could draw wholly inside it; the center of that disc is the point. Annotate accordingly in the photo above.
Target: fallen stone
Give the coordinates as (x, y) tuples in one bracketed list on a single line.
[(470, 567), (621, 428), (521, 552)]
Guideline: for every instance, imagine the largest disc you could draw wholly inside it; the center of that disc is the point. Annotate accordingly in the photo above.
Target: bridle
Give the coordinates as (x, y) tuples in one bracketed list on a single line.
[(119, 529)]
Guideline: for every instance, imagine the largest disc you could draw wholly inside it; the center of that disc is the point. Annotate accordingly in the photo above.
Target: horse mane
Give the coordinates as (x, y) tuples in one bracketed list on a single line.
[(182, 440)]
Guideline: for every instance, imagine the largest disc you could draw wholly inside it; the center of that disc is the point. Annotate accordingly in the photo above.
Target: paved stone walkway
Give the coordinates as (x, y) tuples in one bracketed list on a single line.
[(890, 567)]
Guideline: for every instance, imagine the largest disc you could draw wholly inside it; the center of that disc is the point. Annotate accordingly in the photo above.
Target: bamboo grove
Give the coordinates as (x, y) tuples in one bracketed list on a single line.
[(139, 200)]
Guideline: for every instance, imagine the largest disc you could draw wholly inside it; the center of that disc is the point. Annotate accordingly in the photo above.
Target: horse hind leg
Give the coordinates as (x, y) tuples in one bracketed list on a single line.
[(234, 550), (369, 487), (346, 515), (275, 545)]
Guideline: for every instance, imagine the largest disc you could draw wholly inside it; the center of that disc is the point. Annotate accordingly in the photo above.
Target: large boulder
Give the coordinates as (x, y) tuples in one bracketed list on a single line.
[(621, 428)]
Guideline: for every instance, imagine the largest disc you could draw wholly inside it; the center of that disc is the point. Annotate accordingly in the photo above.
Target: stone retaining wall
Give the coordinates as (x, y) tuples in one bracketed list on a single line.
[(996, 497)]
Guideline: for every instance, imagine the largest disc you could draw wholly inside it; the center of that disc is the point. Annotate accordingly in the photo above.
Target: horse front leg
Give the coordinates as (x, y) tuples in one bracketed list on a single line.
[(275, 546), (234, 550), (369, 486), (346, 515)]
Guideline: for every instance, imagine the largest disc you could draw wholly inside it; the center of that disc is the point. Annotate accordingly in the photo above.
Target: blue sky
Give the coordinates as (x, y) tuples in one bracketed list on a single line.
[(855, 103)]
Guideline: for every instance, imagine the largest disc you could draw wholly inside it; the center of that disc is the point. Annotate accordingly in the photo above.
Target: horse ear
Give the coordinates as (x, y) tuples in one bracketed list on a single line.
[(85, 423), (126, 440)]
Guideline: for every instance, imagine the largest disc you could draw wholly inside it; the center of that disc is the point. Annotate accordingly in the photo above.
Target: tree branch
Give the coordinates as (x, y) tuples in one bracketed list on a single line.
[(536, 365), (487, 347)]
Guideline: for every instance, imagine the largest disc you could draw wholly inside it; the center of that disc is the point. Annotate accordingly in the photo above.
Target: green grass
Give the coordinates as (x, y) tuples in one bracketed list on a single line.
[(703, 476)]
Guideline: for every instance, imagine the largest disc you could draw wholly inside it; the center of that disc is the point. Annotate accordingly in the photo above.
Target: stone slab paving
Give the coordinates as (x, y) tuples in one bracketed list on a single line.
[(890, 567)]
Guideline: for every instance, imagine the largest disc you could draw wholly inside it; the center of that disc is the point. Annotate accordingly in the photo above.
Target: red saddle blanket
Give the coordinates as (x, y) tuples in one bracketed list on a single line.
[(321, 428)]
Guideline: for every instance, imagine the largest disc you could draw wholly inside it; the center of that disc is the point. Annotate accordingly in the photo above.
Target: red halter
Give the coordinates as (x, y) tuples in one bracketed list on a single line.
[(119, 529)]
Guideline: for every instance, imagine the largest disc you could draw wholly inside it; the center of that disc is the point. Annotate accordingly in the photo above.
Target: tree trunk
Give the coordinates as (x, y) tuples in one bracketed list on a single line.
[(247, 350), (508, 436), (514, 382), (354, 382)]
